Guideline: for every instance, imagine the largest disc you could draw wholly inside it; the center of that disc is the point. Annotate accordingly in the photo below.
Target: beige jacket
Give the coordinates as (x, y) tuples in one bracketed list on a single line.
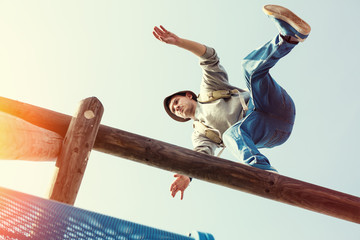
[(219, 114)]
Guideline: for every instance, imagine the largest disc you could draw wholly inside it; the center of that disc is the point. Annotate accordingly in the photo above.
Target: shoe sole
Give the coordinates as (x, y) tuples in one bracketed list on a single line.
[(272, 171), (288, 16)]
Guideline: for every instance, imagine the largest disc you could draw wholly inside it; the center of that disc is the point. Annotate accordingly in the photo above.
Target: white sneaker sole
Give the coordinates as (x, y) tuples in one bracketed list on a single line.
[(288, 16)]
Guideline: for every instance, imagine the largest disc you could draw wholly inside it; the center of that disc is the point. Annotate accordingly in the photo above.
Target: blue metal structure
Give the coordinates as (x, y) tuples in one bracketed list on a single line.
[(24, 216)]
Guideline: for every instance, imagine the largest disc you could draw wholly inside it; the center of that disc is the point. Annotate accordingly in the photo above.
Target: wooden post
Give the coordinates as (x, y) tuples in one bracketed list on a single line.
[(74, 154), (201, 166)]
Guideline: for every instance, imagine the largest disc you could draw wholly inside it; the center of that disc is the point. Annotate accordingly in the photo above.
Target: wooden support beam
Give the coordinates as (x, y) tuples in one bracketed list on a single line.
[(227, 173), (42, 117), (75, 151), (208, 168), (21, 140)]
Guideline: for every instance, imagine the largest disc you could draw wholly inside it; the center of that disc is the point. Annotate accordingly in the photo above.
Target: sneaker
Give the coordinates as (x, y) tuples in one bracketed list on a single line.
[(287, 22)]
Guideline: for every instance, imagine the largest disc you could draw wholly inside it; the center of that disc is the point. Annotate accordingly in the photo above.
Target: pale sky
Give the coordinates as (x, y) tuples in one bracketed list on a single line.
[(53, 54)]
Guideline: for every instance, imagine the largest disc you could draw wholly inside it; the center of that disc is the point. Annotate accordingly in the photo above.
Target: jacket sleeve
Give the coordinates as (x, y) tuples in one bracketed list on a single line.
[(214, 75), (203, 144)]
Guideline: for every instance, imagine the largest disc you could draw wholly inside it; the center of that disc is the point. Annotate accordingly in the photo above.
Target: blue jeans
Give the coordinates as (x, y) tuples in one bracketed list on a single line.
[(270, 118)]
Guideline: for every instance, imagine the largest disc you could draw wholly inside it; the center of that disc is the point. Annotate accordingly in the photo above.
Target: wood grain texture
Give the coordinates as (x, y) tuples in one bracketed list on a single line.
[(75, 151)]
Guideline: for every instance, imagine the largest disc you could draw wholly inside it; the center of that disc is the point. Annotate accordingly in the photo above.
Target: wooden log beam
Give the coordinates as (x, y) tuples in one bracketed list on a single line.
[(227, 173), (42, 117), (208, 168), (75, 151), (21, 140)]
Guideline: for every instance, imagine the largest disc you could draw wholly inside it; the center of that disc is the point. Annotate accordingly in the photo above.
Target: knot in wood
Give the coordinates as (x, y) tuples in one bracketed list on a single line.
[(89, 114)]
